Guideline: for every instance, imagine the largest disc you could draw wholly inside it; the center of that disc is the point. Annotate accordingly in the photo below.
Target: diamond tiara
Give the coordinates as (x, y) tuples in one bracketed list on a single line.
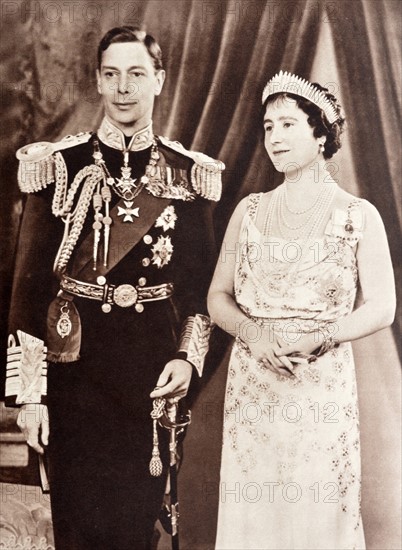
[(289, 83)]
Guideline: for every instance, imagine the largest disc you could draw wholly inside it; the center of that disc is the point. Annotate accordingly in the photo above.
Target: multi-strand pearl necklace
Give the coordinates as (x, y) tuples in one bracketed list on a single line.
[(305, 230), (299, 212)]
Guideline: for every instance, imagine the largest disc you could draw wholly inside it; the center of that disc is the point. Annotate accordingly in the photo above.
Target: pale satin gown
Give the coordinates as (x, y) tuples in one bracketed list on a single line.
[(290, 470)]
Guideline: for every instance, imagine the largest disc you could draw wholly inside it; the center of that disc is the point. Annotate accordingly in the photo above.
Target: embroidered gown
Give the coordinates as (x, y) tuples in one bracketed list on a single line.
[(290, 470)]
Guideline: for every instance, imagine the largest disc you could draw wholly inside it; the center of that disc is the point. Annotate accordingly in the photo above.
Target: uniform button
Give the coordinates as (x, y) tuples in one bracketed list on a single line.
[(101, 280), (147, 239), (145, 262), (106, 308), (139, 308), (142, 281)]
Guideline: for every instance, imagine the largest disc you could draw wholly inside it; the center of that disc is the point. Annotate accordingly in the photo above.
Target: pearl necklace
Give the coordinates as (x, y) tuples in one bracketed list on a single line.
[(320, 211), (298, 212), (301, 229), (308, 228), (284, 221)]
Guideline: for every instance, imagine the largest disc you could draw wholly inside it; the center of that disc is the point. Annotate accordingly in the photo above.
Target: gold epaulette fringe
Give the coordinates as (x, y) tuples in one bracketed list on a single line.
[(206, 172), (37, 162)]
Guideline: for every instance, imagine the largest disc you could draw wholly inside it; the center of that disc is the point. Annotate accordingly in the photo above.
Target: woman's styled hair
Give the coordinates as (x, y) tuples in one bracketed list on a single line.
[(131, 34), (316, 118)]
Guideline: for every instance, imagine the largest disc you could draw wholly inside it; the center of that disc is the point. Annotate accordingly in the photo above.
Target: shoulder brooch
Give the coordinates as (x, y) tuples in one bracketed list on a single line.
[(40, 162), (347, 224), (206, 172)]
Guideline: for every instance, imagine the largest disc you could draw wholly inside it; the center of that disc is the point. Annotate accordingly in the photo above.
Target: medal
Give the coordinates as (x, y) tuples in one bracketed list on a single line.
[(125, 186), (64, 325), (128, 212)]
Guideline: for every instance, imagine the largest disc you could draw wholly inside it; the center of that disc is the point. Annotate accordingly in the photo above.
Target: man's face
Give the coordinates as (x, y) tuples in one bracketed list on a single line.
[(128, 83)]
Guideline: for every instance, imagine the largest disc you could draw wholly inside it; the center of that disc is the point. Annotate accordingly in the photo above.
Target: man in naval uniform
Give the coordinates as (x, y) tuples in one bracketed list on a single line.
[(108, 302)]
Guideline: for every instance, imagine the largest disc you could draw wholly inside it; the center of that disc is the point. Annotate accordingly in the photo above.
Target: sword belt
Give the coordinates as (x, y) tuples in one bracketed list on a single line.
[(125, 295)]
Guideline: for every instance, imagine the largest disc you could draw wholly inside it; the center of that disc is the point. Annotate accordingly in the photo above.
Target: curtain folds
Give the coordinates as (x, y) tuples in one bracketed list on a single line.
[(369, 80)]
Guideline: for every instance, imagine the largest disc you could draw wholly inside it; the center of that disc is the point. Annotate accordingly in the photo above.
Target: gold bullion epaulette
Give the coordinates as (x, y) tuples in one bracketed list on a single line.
[(206, 172), (38, 161)]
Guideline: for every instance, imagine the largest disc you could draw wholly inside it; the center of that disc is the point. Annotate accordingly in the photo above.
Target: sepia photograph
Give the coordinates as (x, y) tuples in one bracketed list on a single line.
[(200, 228)]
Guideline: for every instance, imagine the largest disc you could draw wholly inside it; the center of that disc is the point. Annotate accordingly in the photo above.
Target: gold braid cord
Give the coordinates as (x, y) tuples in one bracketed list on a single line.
[(59, 198), (155, 465), (92, 175), (194, 340)]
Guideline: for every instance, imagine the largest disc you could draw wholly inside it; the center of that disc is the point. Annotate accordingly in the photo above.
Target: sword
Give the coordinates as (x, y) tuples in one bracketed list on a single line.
[(170, 418)]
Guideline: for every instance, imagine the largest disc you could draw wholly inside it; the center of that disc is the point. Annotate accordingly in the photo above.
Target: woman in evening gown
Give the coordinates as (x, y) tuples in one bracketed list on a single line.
[(292, 263)]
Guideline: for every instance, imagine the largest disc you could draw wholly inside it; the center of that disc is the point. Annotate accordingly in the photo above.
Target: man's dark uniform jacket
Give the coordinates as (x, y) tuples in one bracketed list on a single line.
[(92, 343)]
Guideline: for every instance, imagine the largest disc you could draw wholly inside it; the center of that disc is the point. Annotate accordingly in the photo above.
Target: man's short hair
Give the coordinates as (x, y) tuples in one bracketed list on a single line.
[(131, 34)]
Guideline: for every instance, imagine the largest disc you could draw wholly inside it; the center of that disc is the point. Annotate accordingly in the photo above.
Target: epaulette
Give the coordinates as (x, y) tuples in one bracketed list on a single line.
[(206, 172), (37, 161)]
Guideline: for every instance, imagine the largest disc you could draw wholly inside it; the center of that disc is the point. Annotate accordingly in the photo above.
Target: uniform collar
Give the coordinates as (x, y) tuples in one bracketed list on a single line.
[(114, 137)]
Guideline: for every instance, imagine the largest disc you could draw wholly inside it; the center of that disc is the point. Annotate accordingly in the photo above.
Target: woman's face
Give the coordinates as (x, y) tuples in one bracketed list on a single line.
[(289, 138)]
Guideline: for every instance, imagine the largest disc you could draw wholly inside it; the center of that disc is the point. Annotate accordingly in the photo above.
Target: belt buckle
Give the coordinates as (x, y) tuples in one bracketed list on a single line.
[(125, 295)]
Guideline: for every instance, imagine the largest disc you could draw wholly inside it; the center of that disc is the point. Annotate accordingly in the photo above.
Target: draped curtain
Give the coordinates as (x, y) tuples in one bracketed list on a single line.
[(218, 55)]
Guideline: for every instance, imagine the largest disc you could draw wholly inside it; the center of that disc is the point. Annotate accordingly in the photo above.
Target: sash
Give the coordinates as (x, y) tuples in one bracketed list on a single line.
[(123, 238)]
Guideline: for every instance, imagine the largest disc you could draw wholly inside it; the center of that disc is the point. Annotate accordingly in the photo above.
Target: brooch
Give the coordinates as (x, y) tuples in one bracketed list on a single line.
[(348, 227)]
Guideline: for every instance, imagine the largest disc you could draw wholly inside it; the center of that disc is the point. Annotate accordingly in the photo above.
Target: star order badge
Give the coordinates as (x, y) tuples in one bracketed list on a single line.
[(162, 251), (128, 212), (167, 219)]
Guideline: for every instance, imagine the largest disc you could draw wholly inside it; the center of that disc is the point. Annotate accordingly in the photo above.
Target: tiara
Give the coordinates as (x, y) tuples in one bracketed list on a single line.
[(292, 84)]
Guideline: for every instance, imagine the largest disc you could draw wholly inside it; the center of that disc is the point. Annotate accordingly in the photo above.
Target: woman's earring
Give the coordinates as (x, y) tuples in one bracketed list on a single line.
[(322, 147)]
